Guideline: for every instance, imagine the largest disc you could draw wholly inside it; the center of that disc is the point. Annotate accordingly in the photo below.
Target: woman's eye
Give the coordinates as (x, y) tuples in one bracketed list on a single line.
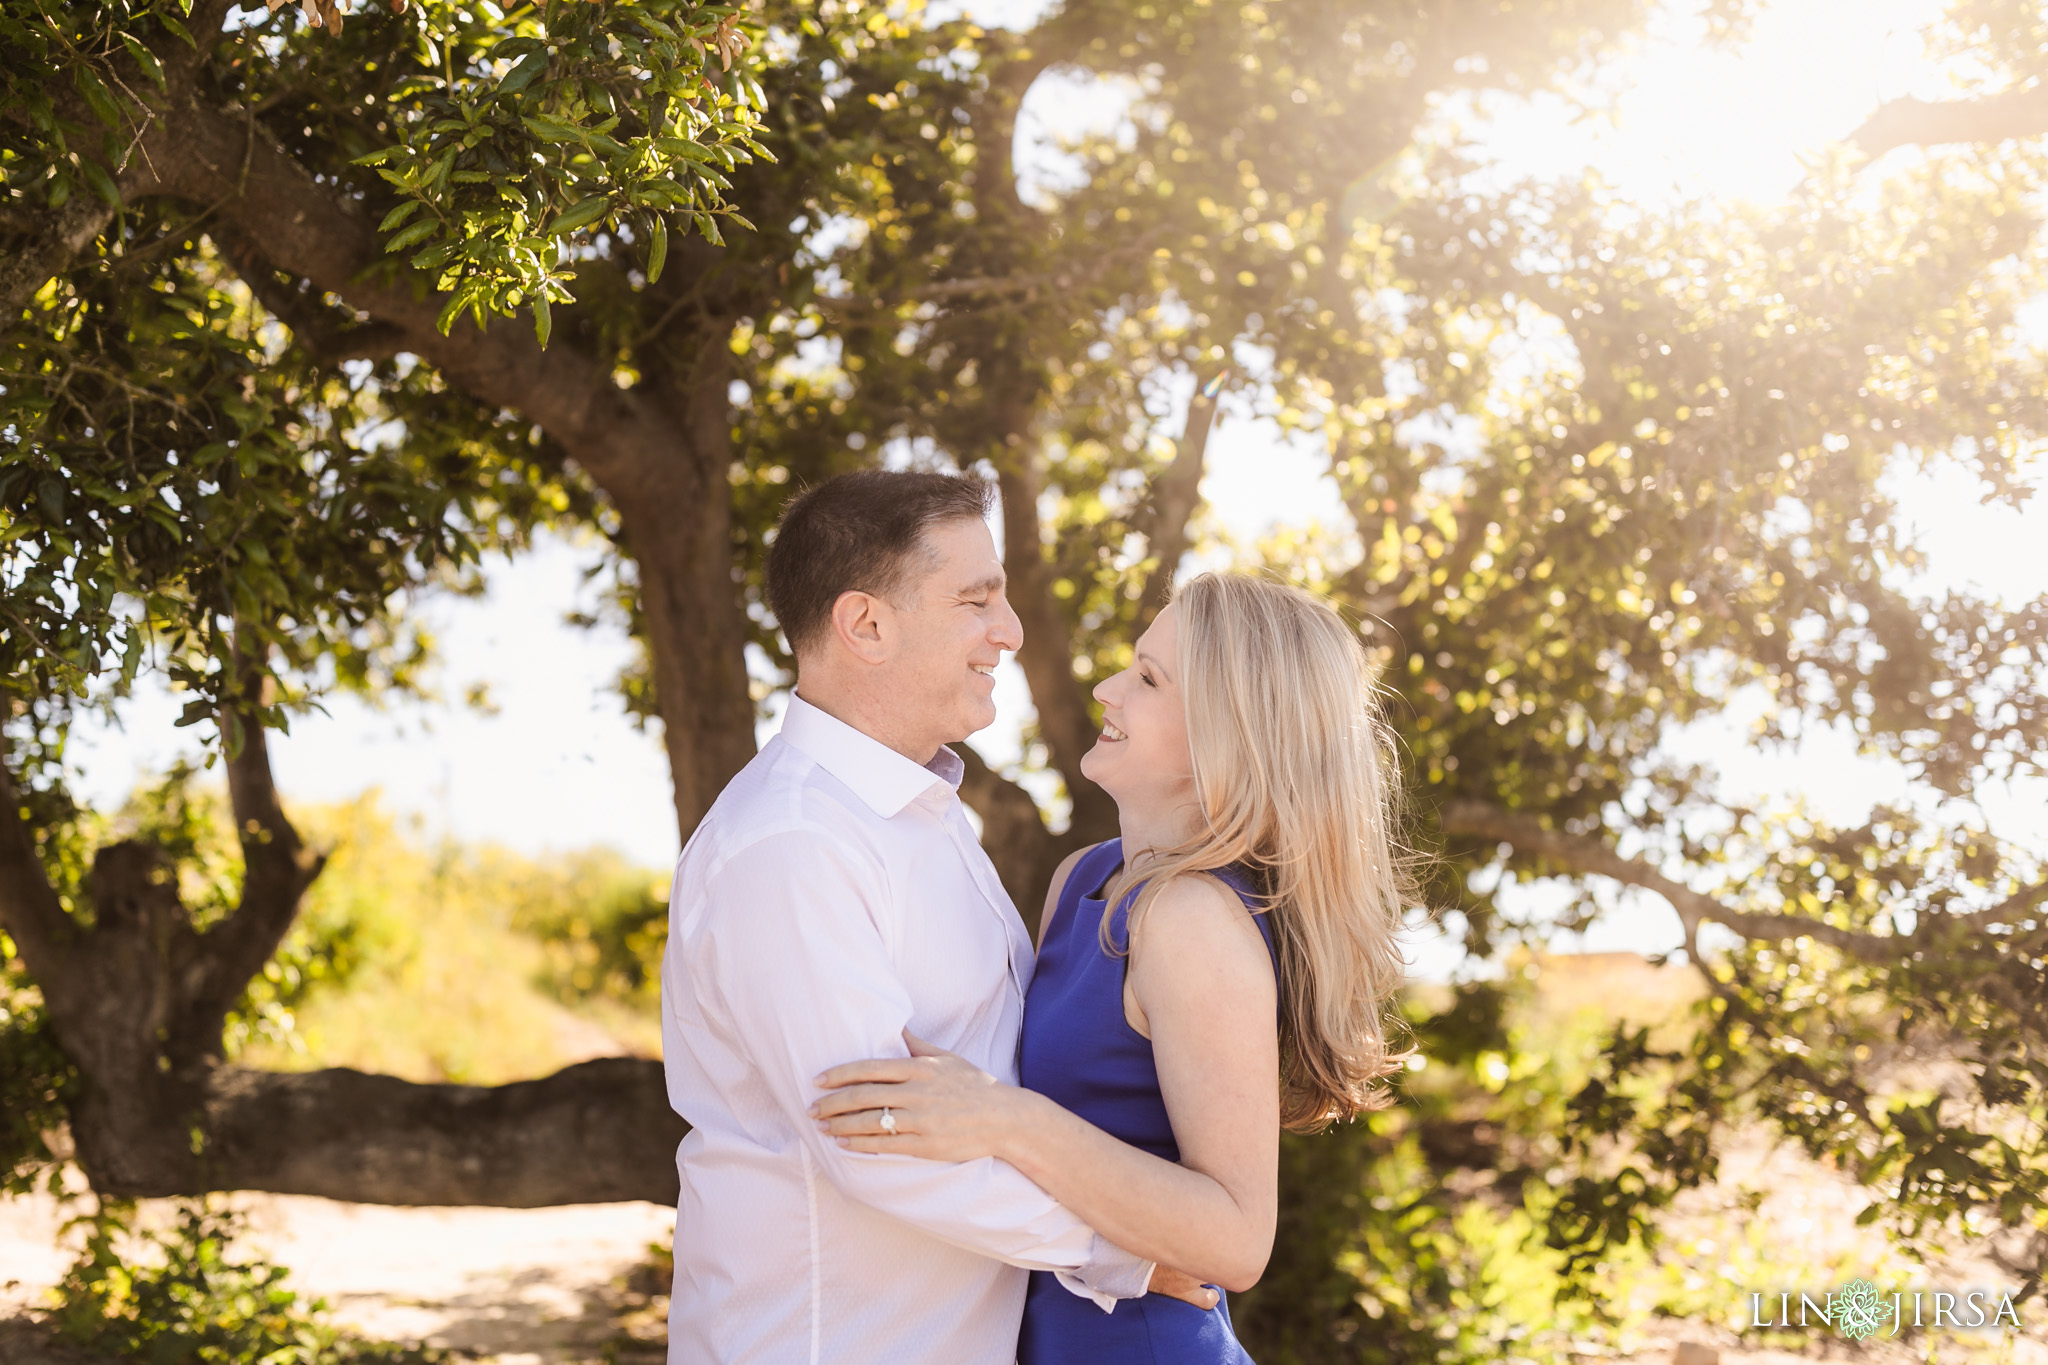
[(1147, 679)]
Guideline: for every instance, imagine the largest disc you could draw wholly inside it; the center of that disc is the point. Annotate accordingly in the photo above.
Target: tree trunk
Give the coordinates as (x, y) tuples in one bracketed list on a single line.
[(1014, 835), (129, 998), (676, 507)]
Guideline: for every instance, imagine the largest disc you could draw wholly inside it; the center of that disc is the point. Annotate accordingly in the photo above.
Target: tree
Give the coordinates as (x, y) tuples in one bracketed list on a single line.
[(1665, 485), (631, 392)]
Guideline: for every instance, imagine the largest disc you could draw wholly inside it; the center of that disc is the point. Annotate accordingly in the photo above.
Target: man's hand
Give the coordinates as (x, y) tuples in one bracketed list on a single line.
[(1186, 1288)]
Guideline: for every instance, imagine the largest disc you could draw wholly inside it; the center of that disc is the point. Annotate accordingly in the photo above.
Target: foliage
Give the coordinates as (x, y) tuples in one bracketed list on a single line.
[(1417, 1233), (87, 54), (511, 136), (161, 508), (462, 961), (37, 1084), (507, 134), (604, 925), (182, 1294)]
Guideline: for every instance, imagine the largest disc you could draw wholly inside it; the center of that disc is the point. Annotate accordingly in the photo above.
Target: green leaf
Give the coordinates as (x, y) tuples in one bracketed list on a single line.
[(657, 250), (457, 301), (102, 183), (397, 216), (589, 211), (522, 75), (376, 158), (418, 232), (443, 166), (543, 320), (679, 147), (96, 95), (434, 257), (177, 29), (145, 59), (551, 129)]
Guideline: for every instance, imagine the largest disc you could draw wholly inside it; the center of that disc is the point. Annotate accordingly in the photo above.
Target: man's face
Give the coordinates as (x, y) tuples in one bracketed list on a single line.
[(953, 624)]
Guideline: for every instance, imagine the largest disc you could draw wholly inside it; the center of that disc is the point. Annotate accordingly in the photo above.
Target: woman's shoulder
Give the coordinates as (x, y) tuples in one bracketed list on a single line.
[(1197, 935), (1200, 906)]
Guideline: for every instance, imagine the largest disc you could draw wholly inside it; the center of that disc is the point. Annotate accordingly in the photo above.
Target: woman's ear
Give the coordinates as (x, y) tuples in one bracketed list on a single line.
[(865, 626)]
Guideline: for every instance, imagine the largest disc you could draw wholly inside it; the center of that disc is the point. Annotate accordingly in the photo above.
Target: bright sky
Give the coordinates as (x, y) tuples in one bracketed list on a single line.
[(559, 766)]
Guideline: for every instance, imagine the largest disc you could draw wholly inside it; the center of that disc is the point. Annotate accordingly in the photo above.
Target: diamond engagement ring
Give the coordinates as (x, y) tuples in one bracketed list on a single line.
[(888, 1121)]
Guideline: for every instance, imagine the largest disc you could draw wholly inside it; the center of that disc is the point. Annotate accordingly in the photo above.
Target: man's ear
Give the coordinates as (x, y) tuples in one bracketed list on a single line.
[(865, 626)]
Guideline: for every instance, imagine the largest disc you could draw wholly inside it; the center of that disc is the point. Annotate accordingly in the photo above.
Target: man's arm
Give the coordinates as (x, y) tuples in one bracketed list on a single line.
[(790, 953)]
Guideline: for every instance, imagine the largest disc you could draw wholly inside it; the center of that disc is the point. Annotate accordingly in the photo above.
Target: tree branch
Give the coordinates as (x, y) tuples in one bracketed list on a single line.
[(24, 270), (599, 1132), (321, 329), (1927, 123), (305, 229), (29, 1341), (1172, 500), (1587, 855), (1026, 287), (211, 970)]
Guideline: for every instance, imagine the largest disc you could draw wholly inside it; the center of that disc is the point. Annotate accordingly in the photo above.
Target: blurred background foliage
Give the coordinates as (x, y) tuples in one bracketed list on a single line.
[(1606, 468)]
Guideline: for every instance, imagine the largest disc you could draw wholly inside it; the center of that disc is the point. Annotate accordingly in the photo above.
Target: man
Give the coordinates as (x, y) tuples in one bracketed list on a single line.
[(834, 896)]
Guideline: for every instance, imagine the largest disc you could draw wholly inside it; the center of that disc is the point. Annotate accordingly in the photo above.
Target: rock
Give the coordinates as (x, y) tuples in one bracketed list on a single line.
[(1692, 1353)]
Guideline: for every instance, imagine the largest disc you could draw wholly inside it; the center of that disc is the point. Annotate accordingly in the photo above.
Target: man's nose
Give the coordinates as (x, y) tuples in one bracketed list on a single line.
[(1007, 632)]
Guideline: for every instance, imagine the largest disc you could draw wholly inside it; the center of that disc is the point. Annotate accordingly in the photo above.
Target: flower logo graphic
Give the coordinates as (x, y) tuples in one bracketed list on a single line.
[(1859, 1309)]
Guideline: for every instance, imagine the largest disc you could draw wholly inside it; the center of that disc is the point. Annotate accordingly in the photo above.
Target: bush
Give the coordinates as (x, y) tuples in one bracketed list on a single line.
[(187, 1298)]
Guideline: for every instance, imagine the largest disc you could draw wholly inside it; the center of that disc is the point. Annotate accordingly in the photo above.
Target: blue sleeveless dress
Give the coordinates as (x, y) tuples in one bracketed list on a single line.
[(1078, 1050)]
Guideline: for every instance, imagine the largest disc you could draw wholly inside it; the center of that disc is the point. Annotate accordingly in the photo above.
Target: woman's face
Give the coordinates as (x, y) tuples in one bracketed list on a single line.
[(1142, 757)]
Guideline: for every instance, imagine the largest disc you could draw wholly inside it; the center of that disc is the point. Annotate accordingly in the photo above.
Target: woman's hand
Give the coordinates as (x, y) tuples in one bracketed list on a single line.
[(944, 1107)]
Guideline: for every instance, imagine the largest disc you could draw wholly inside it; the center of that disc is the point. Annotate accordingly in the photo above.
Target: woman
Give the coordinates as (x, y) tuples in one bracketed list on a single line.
[(1251, 773)]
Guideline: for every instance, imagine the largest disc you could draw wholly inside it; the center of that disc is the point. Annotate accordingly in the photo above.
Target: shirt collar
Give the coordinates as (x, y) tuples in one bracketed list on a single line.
[(880, 776)]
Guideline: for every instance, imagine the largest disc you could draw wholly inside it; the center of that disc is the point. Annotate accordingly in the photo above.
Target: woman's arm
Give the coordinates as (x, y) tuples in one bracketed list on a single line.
[(1204, 982)]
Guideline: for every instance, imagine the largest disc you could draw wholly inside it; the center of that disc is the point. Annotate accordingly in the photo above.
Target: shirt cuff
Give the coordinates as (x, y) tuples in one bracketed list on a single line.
[(1110, 1273)]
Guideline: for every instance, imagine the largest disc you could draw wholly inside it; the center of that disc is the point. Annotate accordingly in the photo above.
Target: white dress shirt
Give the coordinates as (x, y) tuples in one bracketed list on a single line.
[(835, 895)]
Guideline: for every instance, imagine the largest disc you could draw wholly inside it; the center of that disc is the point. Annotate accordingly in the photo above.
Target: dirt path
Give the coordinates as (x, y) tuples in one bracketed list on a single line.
[(511, 1286)]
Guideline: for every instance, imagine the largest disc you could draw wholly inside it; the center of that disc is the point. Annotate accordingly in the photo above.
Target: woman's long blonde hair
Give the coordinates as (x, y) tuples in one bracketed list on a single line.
[(1297, 781)]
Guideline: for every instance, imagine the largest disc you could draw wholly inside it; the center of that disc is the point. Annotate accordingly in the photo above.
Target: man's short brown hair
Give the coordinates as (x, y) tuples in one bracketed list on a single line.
[(862, 532)]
